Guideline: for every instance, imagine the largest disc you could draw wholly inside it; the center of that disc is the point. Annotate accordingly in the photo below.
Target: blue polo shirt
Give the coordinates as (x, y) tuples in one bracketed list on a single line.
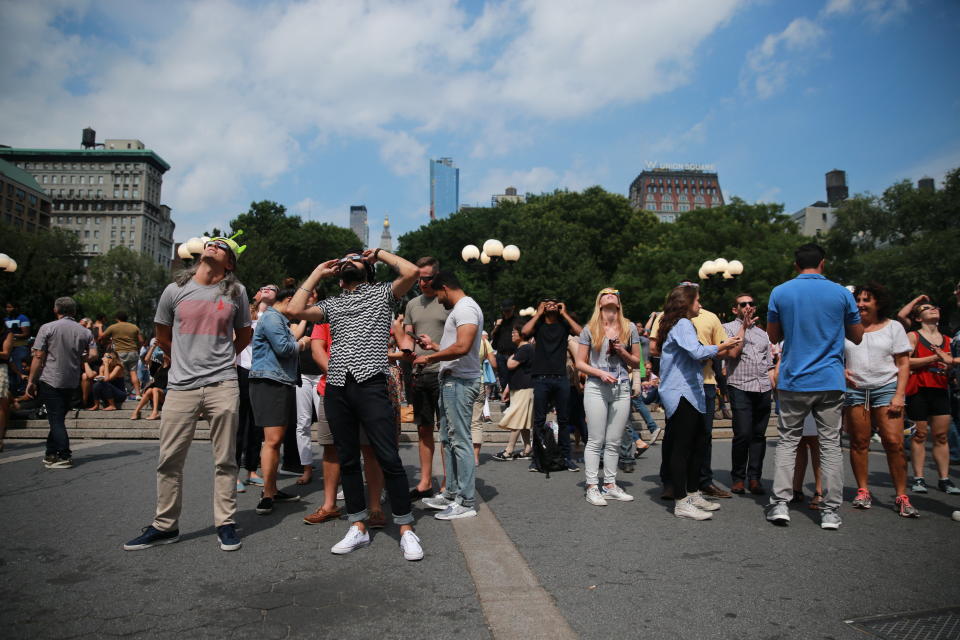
[(813, 313)]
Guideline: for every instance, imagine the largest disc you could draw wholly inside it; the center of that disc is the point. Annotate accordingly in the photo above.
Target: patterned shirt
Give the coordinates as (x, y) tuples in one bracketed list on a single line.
[(359, 331), (749, 371)]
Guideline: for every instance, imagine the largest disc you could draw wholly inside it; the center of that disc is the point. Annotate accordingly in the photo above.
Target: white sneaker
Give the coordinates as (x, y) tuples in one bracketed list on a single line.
[(352, 541), (340, 494), (437, 502), (594, 497), (685, 509), (700, 502), (456, 511), (410, 545), (616, 493), (653, 436)]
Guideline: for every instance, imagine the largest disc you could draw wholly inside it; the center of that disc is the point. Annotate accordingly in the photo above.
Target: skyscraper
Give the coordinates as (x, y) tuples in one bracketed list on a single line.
[(386, 240), (444, 188), (358, 223)]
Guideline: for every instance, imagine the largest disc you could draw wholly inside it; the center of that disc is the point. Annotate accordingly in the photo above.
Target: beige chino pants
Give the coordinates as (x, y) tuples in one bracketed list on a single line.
[(218, 404)]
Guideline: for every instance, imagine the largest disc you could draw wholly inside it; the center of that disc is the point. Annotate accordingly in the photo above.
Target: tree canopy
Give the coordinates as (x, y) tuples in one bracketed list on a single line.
[(122, 279)]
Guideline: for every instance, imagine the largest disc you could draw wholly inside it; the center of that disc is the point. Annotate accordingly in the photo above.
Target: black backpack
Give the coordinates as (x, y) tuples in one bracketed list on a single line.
[(546, 453)]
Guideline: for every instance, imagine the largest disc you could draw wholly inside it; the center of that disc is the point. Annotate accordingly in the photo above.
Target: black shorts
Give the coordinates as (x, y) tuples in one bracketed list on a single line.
[(274, 404), (926, 402), (426, 399)]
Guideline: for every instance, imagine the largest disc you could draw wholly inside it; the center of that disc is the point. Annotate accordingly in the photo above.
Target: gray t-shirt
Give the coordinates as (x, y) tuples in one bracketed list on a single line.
[(426, 315), (466, 311), (603, 360), (66, 342), (203, 322)]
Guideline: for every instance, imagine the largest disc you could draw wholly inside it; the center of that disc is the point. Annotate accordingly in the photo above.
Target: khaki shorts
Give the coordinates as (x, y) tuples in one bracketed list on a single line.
[(128, 359), (324, 435), (476, 420)]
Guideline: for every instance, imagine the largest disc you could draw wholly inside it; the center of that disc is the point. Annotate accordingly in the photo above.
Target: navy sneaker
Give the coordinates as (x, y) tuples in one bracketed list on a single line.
[(229, 540), (151, 537), (572, 466)]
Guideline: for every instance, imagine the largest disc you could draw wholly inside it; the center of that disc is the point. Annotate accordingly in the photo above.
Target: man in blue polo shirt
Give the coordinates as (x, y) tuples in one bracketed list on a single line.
[(811, 315)]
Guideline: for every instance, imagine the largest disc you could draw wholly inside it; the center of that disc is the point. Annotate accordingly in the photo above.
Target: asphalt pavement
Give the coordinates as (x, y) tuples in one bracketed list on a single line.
[(621, 571)]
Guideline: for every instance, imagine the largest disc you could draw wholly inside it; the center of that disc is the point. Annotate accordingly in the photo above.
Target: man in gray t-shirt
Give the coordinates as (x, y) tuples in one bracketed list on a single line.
[(459, 355), (203, 322)]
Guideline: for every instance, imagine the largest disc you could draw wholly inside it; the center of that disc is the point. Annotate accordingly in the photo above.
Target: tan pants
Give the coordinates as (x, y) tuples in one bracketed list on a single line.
[(218, 405)]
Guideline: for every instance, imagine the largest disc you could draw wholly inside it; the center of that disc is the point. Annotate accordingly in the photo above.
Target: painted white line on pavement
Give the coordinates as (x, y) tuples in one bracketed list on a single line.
[(514, 603), (86, 444)]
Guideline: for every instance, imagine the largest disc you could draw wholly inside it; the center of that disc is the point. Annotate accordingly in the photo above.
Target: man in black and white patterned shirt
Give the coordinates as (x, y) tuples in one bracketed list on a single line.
[(357, 386)]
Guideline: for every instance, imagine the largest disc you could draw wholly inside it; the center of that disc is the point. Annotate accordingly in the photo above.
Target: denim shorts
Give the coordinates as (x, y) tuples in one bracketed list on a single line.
[(871, 398)]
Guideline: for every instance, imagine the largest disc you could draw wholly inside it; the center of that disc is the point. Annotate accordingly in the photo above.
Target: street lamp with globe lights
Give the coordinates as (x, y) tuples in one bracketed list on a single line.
[(494, 256), (192, 248), (7, 263), (718, 274)]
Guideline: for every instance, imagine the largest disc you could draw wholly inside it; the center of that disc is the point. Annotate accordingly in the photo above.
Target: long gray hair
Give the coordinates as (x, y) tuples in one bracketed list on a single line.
[(229, 286)]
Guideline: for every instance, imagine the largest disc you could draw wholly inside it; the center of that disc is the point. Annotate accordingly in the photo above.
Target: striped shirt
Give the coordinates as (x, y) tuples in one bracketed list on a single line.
[(749, 371), (359, 331)]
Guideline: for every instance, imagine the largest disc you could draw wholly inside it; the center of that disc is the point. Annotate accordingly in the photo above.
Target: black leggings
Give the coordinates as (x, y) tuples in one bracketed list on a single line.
[(688, 436), (249, 435)]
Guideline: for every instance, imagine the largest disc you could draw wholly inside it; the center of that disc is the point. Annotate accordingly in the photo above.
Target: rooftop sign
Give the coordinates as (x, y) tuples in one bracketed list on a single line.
[(681, 166)]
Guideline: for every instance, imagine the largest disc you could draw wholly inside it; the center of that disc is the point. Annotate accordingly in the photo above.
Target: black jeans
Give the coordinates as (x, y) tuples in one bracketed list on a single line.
[(688, 434), (57, 402), (502, 370), (706, 472), (347, 407), (249, 435), (555, 389), (751, 413)]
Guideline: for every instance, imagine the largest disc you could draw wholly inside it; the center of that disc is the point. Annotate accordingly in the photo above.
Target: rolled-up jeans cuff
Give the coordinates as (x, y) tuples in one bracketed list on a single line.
[(357, 517), (407, 518)]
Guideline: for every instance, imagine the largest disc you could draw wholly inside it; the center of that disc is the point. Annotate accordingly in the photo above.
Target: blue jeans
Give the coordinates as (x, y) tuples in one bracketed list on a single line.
[(706, 472), (556, 389), (18, 382), (57, 402), (457, 396)]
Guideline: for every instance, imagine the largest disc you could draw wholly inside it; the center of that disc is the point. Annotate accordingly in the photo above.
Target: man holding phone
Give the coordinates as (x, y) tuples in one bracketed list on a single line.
[(550, 326)]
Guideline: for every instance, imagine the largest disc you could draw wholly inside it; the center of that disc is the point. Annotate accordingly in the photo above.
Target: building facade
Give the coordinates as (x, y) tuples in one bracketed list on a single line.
[(820, 216), (509, 195), (358, 223), (386, 240), (25, 205), (109, 196), (444, 188), (670, 192)]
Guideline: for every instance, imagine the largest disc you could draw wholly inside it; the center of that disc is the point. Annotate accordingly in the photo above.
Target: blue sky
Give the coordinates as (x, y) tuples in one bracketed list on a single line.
[(320, 104)]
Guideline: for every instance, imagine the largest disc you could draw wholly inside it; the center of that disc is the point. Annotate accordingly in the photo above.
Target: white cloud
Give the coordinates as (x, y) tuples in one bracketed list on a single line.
[(878, 12), (781, 55)]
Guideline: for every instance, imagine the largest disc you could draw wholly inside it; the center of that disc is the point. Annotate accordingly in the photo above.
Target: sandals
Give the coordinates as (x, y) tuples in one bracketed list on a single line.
[(815, 501)]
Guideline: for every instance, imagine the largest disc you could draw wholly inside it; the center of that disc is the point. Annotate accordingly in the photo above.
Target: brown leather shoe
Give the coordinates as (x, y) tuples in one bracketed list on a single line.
[(713, 491), (322, 515), (376, 520), (756, 488), (738, 488), (667, 493)]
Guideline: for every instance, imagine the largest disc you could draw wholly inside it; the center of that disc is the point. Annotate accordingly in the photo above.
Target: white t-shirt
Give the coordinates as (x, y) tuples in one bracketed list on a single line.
[(871, 363), (466, 311)]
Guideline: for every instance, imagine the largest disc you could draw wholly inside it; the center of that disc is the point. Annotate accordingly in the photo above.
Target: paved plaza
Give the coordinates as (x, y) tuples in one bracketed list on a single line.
[(538, 562)]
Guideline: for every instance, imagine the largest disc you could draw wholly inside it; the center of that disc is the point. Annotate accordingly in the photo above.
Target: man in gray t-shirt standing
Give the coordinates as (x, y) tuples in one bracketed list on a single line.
[(57, 364), (203, 322), (459, 356)]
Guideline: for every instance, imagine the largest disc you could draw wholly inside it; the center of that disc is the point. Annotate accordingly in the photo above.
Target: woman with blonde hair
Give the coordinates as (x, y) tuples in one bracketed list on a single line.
[(609, 347)]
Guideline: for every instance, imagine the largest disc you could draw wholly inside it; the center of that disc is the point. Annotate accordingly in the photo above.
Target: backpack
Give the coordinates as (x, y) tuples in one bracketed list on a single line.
[(546, 453)]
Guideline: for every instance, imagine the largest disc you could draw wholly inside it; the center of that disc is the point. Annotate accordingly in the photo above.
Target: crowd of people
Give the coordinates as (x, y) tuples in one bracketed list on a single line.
[(830, 359)]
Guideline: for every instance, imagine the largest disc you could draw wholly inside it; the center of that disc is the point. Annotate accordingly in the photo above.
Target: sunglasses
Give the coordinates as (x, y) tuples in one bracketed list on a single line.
[(615, 292), (219, 244), (688, 284), (549, 300), (751, 303), (427, 278), (352, 258), (926, 307), (270, 288)]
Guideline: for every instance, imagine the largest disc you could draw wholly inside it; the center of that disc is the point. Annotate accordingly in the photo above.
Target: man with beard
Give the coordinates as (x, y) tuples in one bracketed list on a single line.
[(356, 389)]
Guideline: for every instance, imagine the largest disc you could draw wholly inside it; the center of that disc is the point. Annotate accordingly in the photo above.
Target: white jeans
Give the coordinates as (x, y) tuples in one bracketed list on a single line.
[(607, 408), (308, 401)]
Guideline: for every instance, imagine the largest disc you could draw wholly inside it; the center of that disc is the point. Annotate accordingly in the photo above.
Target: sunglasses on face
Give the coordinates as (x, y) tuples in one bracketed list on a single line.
[(427, 278), (749, 303), (688, 284), (354, 258), (615, 292), (550, 301), (219, 244), (926, 307), (269, 289)]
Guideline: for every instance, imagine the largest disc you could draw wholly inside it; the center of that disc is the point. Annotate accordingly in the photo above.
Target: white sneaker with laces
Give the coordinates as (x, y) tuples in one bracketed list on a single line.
[(684, 508), (410, 545), (616, 493), (438, 502), (594, 497), (354, 539), (456, 511), (700, 502)]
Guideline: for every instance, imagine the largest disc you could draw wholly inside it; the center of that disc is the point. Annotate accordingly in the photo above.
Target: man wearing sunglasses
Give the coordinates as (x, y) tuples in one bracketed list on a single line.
[(750, 384), (203, 322)]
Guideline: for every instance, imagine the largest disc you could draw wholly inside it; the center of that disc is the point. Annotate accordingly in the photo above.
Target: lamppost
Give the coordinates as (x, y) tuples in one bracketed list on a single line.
[(494, 257), (719, 274), (7, 263)]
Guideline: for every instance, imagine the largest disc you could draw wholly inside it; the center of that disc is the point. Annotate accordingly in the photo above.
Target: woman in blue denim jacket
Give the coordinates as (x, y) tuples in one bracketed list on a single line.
[(273, 376)]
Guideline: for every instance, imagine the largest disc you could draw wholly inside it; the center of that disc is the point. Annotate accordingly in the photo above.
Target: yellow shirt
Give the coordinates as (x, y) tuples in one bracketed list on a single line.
[(709, 331)]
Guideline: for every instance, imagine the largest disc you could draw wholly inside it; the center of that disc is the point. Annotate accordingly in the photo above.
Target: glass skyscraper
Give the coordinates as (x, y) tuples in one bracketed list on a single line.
[(444, 188)]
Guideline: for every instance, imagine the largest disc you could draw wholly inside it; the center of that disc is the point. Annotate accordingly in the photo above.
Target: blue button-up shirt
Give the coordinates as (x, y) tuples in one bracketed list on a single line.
[(681, 370)]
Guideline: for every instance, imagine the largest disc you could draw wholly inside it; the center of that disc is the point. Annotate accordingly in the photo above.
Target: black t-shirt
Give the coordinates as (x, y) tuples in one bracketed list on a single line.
[(501, 339), (309, 366), (520, 377), (550, 348)]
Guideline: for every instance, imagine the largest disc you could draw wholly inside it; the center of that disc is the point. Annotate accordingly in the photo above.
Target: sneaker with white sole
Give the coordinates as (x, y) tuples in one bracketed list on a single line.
[(438, 502), (355, 539), (456, 511), (340, 494), (594, 497), (410, 546), (684, 508), (919, 485), (863, 500), (778, 513), (616, 493), (830, 519), (700, 502)]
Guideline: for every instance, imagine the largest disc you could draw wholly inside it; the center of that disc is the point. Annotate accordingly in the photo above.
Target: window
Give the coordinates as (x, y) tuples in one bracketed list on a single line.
[(99, 193), (126, 194), (116, 193), (684, 207), (96, 247), (83, 179), (33, 200), (98, 219), (666, 206), (45, 179), (824, 217), (73, 179), (86, 234), (136, 193), (69, 219), (100, 180)]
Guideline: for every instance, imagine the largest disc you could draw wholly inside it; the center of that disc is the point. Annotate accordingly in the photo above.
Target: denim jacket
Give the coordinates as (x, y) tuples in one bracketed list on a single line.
[(275, 352)]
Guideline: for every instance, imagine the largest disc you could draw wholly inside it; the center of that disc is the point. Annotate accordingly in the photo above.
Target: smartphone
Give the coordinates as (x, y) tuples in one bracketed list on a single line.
[(416, 338)]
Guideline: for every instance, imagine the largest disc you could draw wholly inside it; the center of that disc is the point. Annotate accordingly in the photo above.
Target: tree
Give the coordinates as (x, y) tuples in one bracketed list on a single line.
[(122, 279), (48, 266)]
